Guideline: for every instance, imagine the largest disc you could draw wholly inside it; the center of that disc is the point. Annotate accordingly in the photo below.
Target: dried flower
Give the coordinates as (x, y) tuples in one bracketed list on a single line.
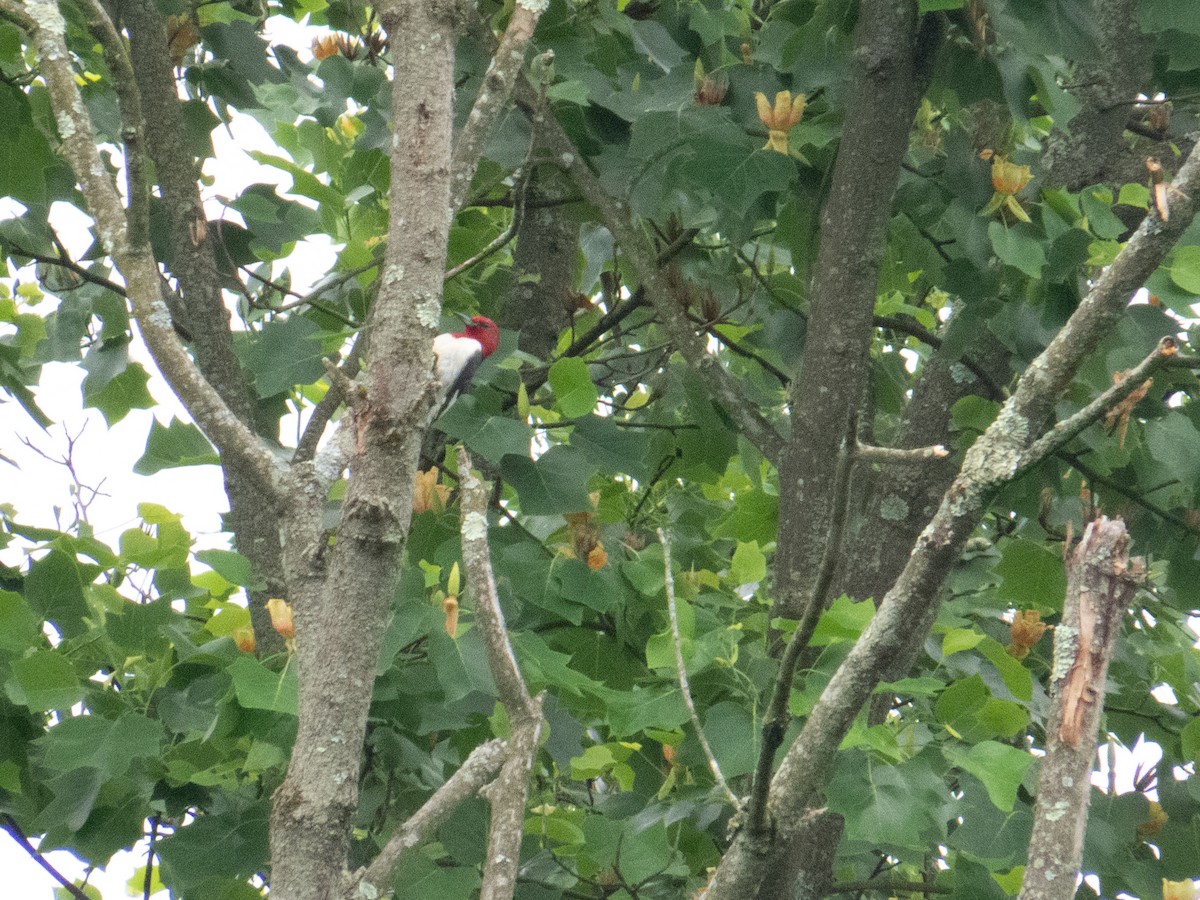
[(182, 36), (1026, 630), (779, 119), (710, 89), (597, 558), (428, 493)]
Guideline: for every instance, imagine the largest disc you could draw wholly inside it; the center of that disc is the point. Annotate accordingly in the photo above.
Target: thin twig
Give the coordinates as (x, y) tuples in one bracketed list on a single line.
[(1070, 427), (306, 447), (681, 672), (774, 722), (9, 824), (148, 881), (521, 181)]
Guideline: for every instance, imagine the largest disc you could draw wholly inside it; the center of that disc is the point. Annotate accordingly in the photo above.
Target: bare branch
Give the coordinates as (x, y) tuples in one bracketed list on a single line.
[(899, 454), (9, 824), (510, 684), (493, 96), (1101, 582), (306, 447), (479, 768), (681, 674), (508, 793)]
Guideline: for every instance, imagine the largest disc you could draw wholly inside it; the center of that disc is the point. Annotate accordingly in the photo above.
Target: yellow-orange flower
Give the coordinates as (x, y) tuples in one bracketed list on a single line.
[(281, 619), (1027, 629), (244, 638), (1179, 890), (1008, 180), (596, 558), (450, 609), (779, 119)]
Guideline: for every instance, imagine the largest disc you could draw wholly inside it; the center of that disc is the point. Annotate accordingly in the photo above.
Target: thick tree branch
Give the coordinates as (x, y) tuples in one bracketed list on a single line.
[(892, 51), (201, 306), (135, 261), (479, 768), (508, 793), (494, 95), (907, 612), (1101, 583), (341, 611)]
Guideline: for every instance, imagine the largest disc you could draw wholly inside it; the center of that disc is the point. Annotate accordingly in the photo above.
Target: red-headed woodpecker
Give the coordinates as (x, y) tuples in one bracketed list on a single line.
[(459, 355)]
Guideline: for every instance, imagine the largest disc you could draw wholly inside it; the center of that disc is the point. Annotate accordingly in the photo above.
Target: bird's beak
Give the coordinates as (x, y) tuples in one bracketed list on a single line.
[(466, 320)]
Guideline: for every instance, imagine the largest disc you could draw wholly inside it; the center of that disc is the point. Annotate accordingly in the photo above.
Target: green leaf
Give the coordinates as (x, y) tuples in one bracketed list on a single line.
[(573, 388), (257, 687), (54, 591), (957, 640), (1017, 248), (492, 437), (844, 621), (904, 805), (1185, 268), (999, 767), (1174, 442), (287, 352), (554, 484), (20, 627), (1032, 575), (44, 681), (1133, 194), (106, 745), (123, 392), (228, 844), (231, 566), (749, 564), (179, 444), (1189, 739)]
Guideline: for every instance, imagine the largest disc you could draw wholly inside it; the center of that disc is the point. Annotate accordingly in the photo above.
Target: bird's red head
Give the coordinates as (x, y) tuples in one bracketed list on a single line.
[(483, 330)]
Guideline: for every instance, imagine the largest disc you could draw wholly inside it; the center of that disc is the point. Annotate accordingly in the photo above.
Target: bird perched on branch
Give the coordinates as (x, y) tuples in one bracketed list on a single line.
[(459, 355)]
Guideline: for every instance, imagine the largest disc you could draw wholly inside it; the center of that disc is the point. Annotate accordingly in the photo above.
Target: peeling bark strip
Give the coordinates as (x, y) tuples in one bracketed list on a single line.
[(1101, 582)]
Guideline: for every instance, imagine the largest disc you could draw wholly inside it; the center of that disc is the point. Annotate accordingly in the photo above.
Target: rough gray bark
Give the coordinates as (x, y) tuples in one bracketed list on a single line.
[(1094, 151), (906, 495), (890, 55), (1101, 583), (340, 615), (252, 517), (544, 265)]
